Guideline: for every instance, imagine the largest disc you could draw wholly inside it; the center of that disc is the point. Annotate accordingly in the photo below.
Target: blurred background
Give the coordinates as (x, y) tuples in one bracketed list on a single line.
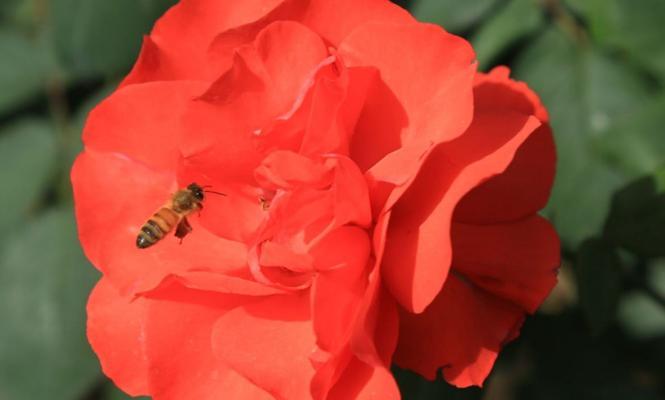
[(599, 66)]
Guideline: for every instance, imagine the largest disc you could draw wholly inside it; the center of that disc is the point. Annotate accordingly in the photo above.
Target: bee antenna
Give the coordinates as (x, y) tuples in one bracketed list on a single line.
[(219, 193)]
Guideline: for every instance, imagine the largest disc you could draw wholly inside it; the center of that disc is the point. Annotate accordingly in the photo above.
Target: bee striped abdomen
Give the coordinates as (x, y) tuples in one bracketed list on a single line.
[(161, 223)]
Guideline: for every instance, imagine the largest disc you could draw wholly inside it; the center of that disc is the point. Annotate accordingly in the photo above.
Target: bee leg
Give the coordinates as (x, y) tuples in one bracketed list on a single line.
[(182, 229), (200, 207)]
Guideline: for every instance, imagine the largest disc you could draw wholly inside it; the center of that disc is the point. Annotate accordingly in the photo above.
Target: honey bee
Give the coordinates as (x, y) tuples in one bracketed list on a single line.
[(173, 213)]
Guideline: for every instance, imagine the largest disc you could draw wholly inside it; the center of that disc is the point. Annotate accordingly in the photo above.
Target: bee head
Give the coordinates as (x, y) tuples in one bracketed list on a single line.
[(197, 191)]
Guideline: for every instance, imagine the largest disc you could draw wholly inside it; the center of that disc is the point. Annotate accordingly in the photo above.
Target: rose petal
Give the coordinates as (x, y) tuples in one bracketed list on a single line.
[(462, 332), (161, 348), (496, 90), (277, 255), (364, 374), (180, 350), (351, 198), (106, 189), (338, 289), (176, 48), (132, 123), (319, 15), (515, 261), (364, 382), (363, 345), (154, 64), (221, 48), (269, 343), (430, 110), (212, 282), (264, 82), (234, 216), (334, 308), (521, 190), (525, 186), (288, 170), (114, 330), (334, 110), (418, 251), (336, 20)]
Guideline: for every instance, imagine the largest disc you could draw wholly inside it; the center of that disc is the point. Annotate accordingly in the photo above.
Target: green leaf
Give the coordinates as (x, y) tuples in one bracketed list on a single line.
[(44, 283), (636, 143), (24, 67), (454, 15), (641, 316), (513, 21), (585, 93), (598, 271), (637, 217), (634, 27), (102, 37), (28, 154)]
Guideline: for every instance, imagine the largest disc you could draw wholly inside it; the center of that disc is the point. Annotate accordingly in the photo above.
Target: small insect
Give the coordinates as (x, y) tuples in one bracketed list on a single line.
[(174, 213)]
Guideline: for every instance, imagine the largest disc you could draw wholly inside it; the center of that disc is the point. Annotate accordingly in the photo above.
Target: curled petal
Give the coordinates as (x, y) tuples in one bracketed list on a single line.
[(426, 111), (339, 288), (176, 48), (337, 20), (465, 329), (515, 261), (288, 170), (264, 82), (418, 251), (525, 186)]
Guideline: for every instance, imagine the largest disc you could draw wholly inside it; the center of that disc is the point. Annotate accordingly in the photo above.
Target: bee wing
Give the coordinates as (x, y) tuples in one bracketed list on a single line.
[(183, 228)]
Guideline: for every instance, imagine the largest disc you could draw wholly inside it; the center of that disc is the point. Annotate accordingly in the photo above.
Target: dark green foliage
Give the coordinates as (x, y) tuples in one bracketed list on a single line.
[(637, 217), (598, 272)]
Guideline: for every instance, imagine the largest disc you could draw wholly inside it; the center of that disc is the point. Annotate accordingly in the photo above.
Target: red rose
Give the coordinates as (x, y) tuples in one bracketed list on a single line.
[(381, 205)]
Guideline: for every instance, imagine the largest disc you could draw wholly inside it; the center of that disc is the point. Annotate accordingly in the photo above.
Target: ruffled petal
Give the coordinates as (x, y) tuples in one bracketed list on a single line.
[(339, 288), (177, 46), (515, 261), (288, 170), (462, 332), (495, 90), (401, 111), (525, 186), (336, 104), (266, 80), (106, 189), (362, 369), (212, 282), (196, 39), (270, 343), (418, 250), (132, 123), (335, 20)]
